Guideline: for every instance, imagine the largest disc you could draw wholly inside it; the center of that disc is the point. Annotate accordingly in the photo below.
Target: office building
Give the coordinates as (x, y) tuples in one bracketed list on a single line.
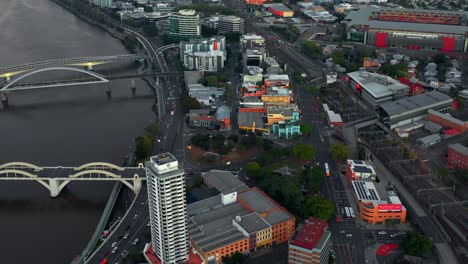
[(251, 41), (167, 208), (411, 109), (457, 157), (227, 24), (310, 244), (375, 88), (415, 29), (101, 3), (374, 209), (359, 170), (184, 25)]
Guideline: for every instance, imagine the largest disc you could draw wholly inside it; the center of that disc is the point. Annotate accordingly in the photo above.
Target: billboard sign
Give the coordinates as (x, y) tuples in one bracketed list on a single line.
[(389, 207)]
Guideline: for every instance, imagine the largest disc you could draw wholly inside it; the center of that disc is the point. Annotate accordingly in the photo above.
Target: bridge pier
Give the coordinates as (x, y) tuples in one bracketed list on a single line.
[(136, 184), (54, 187), (133, 88), (108, 92), (157, 80), (4, 99)]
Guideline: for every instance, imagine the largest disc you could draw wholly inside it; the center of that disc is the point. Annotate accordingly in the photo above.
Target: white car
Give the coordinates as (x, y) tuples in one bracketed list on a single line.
[(349, 235), (125, 236), (114, 250), (114, 244), (135, 241), (382, 233), (172, 112)]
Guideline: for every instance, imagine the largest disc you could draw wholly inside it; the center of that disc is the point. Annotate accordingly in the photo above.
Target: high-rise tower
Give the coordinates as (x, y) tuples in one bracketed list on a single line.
[(167, 208)]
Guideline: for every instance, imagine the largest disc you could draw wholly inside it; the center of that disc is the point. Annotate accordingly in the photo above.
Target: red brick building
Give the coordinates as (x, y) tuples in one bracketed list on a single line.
[(457, 157), (311, 244), (447, 121)]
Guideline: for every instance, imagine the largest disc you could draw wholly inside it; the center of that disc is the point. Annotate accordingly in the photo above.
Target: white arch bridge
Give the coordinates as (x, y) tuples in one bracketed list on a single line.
[(56, 178)]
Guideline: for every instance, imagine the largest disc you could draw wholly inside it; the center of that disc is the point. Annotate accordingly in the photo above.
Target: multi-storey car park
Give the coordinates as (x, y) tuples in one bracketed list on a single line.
[(415, 29)]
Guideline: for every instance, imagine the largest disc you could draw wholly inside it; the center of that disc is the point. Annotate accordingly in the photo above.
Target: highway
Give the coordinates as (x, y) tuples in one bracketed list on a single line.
[(170, 138)]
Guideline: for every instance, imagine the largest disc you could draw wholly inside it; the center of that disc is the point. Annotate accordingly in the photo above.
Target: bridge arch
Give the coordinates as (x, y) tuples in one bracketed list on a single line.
[(26, 174), (98, 76), (103, 164), (82, 173), (19, 164)]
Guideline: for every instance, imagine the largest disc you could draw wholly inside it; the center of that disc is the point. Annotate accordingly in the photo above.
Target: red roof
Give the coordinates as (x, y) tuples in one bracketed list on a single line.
[(310, 233), (385, 249), (451, 132), (193, 258)]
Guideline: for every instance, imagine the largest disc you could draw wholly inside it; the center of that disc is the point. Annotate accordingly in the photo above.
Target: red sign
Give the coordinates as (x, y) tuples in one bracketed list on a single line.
[(389, 207)]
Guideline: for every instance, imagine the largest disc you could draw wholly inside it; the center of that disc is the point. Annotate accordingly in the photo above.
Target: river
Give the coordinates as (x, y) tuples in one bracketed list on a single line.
[(59, 126)]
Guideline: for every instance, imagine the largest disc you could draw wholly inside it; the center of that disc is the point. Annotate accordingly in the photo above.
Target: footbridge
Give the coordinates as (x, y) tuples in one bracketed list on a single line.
[(56, 178)]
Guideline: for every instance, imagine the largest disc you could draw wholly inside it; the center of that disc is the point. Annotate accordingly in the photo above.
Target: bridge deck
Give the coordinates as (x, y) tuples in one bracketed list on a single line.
[(71, 173), (69, 61)]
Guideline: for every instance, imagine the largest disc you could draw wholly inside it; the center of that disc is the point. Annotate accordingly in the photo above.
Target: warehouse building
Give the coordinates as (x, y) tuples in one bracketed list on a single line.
[(408, 110), (239, 219), (376, 88), (415, 29), (279, 10)]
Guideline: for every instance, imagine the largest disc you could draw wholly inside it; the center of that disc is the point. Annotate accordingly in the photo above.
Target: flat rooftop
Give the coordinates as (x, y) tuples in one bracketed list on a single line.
[(252, 222), (361, 166), (210, 223), (309, 234), (415, 103), (256, 200), (365, 191), (378, 85), (361, 17), (278, 7), (249, 118), (223, 181)]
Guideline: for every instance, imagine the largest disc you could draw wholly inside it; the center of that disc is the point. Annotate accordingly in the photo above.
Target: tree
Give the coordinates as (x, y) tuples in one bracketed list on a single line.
[(151, 30), (306, 130), (143, 147), (397, 70), (339, 151), (416, 244), (313, 179), (253, 169), (148, 9), (318, 207), (304, 151), (237, 258), (202, 141), (311, 49), (191, 103), (211, 80)]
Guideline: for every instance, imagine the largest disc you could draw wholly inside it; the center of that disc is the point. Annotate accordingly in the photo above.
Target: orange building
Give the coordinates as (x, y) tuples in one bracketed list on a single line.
[(375, 210), (239, 219), (254, 2), (447, 121)]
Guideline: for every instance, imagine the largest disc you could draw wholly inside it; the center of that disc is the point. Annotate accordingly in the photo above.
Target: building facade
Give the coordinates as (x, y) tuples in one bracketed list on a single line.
[(167, 208), (204, 54), (447, 121), (184, 25), (414, 29), (227, 24), (311, 243), (457, 157), (374, 209)]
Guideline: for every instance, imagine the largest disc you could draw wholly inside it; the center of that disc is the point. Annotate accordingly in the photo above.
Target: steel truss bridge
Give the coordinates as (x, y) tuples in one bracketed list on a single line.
[(56, 178)]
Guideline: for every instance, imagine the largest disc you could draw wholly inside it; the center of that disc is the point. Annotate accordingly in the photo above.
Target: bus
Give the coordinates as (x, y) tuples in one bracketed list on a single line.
[(327, 170), (351, 212), (348, 214)]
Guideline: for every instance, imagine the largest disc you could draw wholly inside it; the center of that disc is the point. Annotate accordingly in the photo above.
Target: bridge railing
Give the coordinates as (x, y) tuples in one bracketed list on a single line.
[(101, 225)]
